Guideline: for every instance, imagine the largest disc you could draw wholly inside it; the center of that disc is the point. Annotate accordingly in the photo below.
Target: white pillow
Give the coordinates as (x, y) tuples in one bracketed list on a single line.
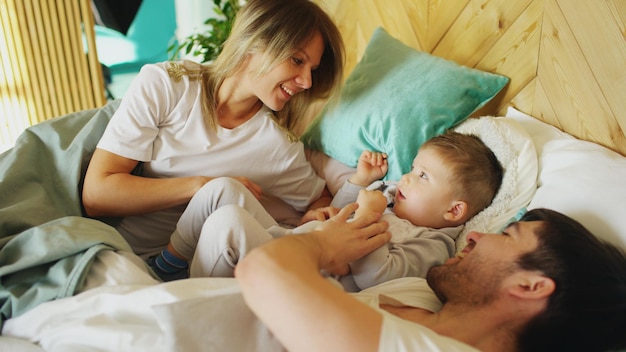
[(583, 180), (515, 150)]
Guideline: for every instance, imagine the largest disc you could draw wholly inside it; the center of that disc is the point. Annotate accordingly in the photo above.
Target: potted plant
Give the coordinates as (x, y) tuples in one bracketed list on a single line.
[(207, 45)]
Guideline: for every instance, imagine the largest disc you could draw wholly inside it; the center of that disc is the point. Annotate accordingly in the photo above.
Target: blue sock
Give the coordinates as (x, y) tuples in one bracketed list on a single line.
[(169, 263)]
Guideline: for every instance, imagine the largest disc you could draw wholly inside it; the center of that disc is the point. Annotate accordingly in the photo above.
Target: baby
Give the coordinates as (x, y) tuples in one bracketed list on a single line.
[(454, 176)]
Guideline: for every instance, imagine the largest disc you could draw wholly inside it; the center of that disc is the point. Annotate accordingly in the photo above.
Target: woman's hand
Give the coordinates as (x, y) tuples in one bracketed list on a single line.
[(251, 186)]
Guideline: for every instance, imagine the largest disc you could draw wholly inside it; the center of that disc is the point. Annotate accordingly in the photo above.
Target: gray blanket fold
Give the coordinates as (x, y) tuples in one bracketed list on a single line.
[(46, 245)]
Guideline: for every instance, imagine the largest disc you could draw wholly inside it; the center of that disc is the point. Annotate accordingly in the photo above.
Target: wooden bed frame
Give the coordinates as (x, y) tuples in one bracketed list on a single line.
[(566, 58)]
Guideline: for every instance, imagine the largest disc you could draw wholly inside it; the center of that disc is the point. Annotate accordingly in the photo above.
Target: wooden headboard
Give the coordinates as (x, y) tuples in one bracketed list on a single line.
[(566, 58)]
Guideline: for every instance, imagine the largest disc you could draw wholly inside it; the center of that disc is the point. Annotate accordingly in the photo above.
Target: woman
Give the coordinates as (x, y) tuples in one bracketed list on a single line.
[(181, 125)]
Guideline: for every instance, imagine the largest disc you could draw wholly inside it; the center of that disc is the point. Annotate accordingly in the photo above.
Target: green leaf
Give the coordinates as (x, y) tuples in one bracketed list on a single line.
[(209, 44)]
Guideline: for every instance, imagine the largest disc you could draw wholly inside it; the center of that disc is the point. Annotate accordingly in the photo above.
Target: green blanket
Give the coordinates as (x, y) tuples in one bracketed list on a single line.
[(46, 245)]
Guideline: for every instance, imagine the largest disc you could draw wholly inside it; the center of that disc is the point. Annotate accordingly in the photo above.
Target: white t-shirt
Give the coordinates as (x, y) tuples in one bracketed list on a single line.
[(160, 123), (400, 335)]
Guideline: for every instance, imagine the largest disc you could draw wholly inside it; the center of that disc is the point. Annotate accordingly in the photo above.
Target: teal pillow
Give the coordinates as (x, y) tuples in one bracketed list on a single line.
[(396, 99)]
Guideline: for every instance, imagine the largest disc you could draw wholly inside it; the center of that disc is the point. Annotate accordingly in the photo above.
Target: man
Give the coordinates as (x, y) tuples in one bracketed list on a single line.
[(546, 284)]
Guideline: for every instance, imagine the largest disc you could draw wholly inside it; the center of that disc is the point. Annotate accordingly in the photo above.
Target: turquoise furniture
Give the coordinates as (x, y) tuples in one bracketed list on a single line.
[(149, 35)]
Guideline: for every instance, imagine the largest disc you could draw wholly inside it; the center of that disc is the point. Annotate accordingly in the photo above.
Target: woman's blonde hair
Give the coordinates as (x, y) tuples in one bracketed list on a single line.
[(276, 28)]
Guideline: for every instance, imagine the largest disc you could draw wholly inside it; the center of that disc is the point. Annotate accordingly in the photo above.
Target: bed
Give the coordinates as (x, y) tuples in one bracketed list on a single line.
[(529, 77)]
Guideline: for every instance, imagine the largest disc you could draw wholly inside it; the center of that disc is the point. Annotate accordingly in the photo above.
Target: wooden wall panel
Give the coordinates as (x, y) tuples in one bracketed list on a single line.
[(571, 88), (618, 14), (11, 81), (441, 15), (479, 26), (524, 98), (543, 108), (418, 20), (515, 55), (606, 57), (566, 58)]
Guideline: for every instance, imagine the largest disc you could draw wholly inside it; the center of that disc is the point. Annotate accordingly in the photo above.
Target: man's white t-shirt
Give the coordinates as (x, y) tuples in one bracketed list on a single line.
[(160, 123), (401, 335)]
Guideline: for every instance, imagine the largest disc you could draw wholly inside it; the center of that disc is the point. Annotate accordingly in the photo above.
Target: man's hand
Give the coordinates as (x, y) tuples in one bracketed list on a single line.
[(342, 242)]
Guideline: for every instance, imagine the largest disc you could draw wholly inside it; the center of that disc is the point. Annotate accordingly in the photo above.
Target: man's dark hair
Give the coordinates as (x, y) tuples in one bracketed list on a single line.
[(587, 311)]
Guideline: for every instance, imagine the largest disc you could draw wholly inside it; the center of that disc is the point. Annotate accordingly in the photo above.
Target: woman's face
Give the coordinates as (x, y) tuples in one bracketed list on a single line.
[(288, 78)]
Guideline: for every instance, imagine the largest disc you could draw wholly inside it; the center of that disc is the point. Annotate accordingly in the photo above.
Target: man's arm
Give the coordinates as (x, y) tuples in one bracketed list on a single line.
[(282, 284)]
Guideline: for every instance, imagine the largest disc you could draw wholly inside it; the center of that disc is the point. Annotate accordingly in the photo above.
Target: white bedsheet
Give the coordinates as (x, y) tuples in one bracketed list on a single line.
[(130, 311), (125, 309)]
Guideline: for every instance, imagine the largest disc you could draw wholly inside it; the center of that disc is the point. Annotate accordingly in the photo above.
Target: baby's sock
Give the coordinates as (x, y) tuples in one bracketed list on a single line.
[(169, 263)]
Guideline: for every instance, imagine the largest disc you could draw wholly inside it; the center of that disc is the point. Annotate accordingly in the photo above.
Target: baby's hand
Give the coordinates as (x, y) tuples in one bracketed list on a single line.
[(370, 201), (372, 166)]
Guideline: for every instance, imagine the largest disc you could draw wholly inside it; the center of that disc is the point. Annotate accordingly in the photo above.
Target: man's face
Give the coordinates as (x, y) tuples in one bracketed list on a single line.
[(475, 276)]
